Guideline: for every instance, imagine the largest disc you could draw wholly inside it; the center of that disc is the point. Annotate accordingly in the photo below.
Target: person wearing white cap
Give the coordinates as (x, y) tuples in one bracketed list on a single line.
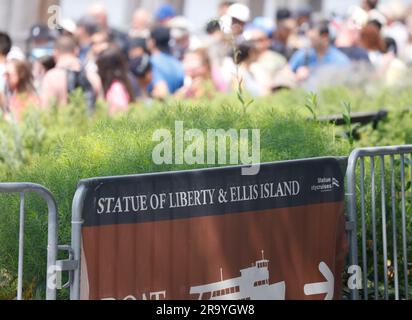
[(240, 15), (180, 31), (373, 11), (396, 14)]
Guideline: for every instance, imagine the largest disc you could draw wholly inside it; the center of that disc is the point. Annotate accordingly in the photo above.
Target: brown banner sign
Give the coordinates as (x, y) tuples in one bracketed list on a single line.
[(216, 235)]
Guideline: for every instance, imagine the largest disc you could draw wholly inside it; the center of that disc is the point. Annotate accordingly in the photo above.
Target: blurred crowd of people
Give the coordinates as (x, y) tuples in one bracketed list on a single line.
[(161, 56)]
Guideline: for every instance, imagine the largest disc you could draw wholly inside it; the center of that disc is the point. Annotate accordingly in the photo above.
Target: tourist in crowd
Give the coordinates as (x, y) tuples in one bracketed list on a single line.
[(40, 46), (285, 26), (282, 14), (40, 68), (396, 29), (303, 21), (181, 37), (137, 48), (218, 45), (406, 53), (5, 47), (348, 40), (268, 62), (40, 42), (240, 15), (198, 81), (372, 41), (224, 7), (245, 56), (370, 6), (100, 41), (149, 87), (113, 71), (373, 12), (389, 68), (86, 27), (99, 12), (164, 14), (321, 54), (21, 92), (68, 75), (165, 66), (141, 24)]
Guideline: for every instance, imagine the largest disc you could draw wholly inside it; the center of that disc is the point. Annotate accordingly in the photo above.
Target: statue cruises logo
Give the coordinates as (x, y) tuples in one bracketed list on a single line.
[(326, 184), (253, 284)]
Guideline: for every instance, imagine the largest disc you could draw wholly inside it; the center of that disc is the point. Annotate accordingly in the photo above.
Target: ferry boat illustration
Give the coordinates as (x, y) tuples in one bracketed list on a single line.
[(253, 284)]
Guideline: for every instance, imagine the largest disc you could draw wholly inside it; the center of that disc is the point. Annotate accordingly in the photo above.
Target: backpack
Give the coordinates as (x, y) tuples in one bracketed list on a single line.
[(79, 79)]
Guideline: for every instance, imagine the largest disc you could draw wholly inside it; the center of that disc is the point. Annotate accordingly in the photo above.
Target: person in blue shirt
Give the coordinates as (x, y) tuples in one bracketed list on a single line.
[(321, 54), (165, 66), (165, 13), (149, 86)]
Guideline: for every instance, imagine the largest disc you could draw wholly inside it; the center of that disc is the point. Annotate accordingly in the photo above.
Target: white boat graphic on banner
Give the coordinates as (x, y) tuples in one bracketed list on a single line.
[(253, 284)]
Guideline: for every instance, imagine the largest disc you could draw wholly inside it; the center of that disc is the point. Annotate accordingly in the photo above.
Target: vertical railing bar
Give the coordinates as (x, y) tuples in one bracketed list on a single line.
[(394, 232), (410, 193), (375, 254), (384, 232), (405, 252), (406, 235), (76, 243), (21, 250), (364, 248), (352, 217)]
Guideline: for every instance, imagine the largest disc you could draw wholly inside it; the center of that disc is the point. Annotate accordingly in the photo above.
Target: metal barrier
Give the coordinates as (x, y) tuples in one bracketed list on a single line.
[(53, 265), (393, 260), (22, 189)]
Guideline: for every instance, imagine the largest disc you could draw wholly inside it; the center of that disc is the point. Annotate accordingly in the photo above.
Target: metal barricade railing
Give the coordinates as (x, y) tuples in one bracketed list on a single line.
[(52, 247), (377, 203), (54, 267)]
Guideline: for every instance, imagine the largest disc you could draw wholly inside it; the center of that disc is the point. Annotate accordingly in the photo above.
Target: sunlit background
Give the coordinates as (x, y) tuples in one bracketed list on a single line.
[(16, 16)]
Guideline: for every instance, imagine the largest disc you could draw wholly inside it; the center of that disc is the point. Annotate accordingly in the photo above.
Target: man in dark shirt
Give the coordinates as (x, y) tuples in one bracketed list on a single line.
[(99, 13), (347, 42), (306, 62)]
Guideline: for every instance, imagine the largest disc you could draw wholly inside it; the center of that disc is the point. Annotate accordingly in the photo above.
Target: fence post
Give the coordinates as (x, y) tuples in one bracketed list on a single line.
[(352, 215), (77, 221)]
